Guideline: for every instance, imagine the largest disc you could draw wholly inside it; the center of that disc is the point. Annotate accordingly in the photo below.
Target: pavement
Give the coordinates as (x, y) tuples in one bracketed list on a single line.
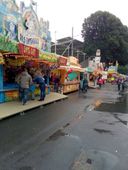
[(82, 162), (14, 107)]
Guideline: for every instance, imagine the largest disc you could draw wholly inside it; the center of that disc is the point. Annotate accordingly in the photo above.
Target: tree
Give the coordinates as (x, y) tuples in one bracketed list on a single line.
[(105, 31)]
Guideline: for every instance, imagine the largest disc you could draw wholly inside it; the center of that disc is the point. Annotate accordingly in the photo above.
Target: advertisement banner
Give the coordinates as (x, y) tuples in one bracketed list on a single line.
[(27, 50), (62, 61), (48, 57)]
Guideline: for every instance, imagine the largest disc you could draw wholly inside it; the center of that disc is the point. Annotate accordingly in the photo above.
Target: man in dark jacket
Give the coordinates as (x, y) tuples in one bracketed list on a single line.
[(39, 79)]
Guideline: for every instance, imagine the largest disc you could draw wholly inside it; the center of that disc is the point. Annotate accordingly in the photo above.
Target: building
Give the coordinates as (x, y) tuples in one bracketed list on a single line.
[(65, 47)]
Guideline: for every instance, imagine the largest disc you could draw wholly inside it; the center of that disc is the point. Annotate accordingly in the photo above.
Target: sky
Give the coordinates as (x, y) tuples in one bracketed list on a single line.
[(63, 15)]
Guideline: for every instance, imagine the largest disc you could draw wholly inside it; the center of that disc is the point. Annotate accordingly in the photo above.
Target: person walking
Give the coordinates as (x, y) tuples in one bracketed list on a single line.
[(85, 84), (56, 83), (120, 83), (39, 79), (100, 81), (24, 80)]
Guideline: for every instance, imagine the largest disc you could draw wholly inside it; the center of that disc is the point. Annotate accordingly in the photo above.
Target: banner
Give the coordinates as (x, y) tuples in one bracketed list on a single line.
[(27, 50), (62, 61), (48, 57)]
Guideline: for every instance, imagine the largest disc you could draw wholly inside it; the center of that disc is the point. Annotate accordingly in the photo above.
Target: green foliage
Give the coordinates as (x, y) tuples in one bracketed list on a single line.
[(8, 46), (123, 69), (105, 31)]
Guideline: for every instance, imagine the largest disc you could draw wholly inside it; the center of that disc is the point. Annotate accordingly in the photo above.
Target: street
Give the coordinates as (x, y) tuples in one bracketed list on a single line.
[(84, 132)]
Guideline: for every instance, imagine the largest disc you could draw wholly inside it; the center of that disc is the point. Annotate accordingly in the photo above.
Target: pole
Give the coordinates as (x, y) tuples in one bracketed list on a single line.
[(77, 54), (36, 8), (72, 40), (55, 42)]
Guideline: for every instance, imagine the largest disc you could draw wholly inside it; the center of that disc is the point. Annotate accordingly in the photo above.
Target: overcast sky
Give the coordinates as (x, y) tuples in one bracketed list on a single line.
[(65, 14)]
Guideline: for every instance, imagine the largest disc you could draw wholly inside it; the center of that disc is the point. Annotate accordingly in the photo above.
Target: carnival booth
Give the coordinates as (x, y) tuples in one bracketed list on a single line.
[(22, 36), (112, 74), (70, 74), (13, 62), (90, 75), (49, 63)]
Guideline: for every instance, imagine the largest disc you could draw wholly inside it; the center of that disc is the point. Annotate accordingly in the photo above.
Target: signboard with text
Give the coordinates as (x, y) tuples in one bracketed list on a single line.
[(62, 61), (27, 50)]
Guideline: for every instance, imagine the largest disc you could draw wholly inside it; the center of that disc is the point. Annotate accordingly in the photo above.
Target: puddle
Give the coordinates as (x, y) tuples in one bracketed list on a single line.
[(108, 123), (103, 131), (74, 137), (120, 120), (59, 133), (121, 106), (89, 161), (89, 108), (68, 124), (103, 160), (56, 135)]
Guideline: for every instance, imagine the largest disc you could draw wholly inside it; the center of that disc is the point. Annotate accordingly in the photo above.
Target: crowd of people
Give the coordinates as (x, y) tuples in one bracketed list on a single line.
[(29, 80), (120, 81)]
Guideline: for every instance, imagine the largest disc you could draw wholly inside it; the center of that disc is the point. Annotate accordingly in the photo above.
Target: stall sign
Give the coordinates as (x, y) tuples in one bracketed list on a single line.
[(72, 76), (98, 52), (29, 29), (62, 61), (27, 50), (73, 60), (97, 60), (48, 57), (112, 69)]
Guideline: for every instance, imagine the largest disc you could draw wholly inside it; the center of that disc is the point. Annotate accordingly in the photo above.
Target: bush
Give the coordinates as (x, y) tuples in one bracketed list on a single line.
[(123, 69)]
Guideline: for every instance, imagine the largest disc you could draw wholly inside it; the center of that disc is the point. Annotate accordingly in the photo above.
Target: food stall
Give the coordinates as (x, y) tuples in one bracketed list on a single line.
[(21, 38), (70, 75), (112, 74), (12, 68)]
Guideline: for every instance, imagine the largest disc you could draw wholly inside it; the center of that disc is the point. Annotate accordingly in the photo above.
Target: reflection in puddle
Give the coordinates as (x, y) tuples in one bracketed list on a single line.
[(121, 106), (56, 135)]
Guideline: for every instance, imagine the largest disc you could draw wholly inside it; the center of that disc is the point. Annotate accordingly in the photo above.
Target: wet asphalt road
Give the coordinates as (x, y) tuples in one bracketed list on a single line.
[(53, 137)]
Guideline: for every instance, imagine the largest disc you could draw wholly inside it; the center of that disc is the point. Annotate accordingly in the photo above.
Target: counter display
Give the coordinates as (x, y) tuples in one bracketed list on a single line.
[(67, 88), (70, 80), (11, 95)]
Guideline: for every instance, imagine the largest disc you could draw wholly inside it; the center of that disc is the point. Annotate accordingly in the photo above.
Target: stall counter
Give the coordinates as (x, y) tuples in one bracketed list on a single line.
[(70, 87)]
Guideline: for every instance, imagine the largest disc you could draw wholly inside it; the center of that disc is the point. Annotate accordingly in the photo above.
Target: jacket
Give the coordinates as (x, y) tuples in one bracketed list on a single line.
[(25, 80)]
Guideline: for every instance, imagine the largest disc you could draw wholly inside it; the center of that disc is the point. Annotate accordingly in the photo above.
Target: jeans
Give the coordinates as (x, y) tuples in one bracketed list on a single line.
[(24, 95), (32, 91), (56, 87), (42, 91)]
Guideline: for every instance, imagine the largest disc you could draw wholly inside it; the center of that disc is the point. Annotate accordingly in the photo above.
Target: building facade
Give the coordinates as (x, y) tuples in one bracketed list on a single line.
[(68, 47)]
